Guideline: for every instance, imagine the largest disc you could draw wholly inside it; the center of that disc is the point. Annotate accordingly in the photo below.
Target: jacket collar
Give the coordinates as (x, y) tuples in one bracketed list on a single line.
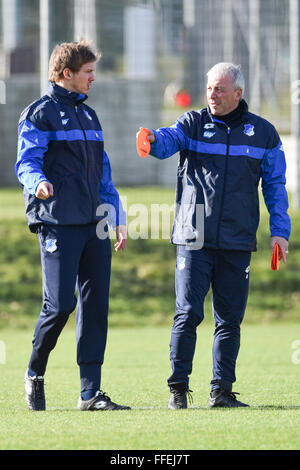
[(239, 115), (61, 94)]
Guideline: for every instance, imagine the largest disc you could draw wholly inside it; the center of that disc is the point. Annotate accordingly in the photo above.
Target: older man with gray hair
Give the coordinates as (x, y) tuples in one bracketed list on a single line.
[(225, 152)]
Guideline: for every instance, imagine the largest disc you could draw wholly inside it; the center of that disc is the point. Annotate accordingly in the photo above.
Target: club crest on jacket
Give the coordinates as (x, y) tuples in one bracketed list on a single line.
[(249, 129)]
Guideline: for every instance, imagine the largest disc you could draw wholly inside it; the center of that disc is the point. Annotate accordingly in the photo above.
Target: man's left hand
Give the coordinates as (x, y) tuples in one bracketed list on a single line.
[(283, 246), (121, 234)]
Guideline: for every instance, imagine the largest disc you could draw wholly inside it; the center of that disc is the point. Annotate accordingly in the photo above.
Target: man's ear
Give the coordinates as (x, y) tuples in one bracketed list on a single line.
[(68, 74), (239, 94)]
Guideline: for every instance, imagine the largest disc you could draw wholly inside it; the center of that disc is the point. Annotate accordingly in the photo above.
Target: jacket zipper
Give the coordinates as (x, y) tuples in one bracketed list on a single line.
[(224, 184), (87, 160)]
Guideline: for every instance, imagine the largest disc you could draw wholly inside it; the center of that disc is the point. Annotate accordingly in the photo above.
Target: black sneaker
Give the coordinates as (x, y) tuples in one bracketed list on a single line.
[(100, 402), (179, 394), (224, 399), (35, 395)]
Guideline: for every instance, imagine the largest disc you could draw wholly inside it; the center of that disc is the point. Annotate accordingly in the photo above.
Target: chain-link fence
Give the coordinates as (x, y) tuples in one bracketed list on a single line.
[(155, 55)]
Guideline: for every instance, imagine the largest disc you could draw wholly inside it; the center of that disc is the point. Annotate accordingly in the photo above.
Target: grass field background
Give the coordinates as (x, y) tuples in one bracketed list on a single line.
[(135, 373), (136, 363)]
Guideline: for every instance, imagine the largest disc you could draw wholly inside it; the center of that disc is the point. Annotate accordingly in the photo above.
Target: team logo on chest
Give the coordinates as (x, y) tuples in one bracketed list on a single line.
[(248, 129), (208, 134), (65, 120)]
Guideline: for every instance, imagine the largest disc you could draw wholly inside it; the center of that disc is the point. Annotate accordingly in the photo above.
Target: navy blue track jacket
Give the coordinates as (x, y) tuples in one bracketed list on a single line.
[(220, 168), (60, 140)]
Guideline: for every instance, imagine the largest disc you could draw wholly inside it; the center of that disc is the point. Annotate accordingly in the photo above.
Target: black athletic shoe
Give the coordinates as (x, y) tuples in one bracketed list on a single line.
[(179, 394), (35, 395), (224, 399), (100, 402)]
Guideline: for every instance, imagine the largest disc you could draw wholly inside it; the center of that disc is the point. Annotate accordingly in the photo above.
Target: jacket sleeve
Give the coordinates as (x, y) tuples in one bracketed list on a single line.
[(32, 145), (110, 196), (274, 190), (168, 140)]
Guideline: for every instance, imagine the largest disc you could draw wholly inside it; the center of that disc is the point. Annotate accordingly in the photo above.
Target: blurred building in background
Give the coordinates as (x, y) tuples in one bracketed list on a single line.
[(155, 55)]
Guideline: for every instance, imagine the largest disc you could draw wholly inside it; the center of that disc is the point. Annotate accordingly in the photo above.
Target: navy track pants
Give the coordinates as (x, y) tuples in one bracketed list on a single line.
[(74, 258), (227, 272)]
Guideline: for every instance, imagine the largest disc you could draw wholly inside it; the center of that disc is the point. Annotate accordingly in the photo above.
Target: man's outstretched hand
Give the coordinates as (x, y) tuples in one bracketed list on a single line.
[(151, 136)]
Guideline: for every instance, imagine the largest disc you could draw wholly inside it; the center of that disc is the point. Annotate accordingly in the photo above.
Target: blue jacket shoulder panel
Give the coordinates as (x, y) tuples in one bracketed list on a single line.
[(266, 135), (190, 121), (33, 140), (32, 146), (40, 113)]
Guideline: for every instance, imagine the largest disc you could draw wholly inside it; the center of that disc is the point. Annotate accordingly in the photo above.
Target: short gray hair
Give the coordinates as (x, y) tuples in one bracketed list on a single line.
[(223, 69)]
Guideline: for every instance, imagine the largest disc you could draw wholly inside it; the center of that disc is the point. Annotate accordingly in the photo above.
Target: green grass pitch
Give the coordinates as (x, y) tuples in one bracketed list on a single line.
[(135, 372)]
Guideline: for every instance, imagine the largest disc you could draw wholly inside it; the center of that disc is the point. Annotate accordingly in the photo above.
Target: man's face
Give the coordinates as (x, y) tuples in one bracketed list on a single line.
[(81, 81), (222, 98)]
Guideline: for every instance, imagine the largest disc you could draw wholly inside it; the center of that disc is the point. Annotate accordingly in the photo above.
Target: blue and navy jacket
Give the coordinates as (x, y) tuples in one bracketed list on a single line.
[(60, 140), (220, 168)]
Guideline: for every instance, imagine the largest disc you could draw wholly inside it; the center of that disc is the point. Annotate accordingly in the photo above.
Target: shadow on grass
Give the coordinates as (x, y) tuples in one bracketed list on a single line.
[(275, 407), (191, 408), (255, 407)]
